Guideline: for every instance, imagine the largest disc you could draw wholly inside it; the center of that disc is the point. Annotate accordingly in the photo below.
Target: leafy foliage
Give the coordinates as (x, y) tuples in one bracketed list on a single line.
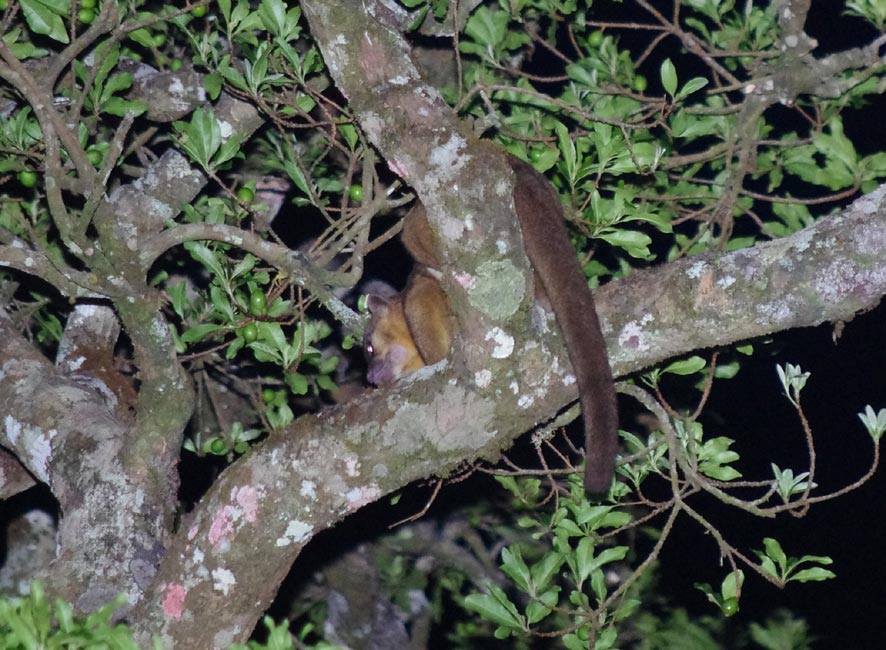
[(32, 622)]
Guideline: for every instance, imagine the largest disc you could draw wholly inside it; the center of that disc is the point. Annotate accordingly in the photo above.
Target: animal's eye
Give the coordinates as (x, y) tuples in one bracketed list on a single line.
[(370, 349)]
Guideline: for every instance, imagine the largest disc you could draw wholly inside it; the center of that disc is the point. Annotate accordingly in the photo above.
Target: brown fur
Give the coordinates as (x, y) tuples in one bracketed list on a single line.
[(417, 327)]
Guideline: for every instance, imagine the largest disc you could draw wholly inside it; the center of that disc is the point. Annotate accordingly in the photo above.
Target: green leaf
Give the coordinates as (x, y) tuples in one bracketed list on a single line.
[(584, 559), (487, 27), (513, 565), (496, 607), (199, 332), (349, 133), (775, 553), (634, 242), (729, 586), (693, 85), (297, 176), (669, 77), (543, 570), (538, 609), (244, 266), (45, 17), (685, 366), (567, 151), (273, 16), (875, 423), (121, 107), (201, 137), (815, 574), (206, 257), (297, 383)]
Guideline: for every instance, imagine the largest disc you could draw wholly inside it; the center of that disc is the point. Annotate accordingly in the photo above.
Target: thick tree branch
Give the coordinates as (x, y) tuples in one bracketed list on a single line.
[(64, 432)]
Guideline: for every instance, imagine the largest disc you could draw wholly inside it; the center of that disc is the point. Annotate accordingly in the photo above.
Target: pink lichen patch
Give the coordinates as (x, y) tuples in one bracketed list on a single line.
[(174, 600), (222, 525), (247, 498), (465, 280)]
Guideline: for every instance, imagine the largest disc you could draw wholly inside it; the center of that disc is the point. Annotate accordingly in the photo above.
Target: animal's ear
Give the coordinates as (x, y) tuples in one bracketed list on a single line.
[(377, 305)]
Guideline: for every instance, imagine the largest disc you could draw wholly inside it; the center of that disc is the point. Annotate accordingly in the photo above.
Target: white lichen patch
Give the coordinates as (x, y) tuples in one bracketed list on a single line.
[(774, 313), (296, 532), (633, 336), (175, 86), (449, 158), (697, 269), (159, 328), (803, 239), (40, 452), (352, 463), (504, 343), (452, 228), (726, 281), (226, 129), (223, 580), (482, 378), (361, 496), (525, 401), (36, 442), (308, 489)]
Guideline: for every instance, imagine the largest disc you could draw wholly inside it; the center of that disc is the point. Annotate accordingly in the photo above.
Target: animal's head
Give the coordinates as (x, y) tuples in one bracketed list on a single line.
[(390, 350)]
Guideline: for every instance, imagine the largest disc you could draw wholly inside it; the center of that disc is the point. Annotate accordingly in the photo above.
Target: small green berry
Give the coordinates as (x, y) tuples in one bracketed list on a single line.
[(258, 302), (729, 607), (249, 332), (218, 446), (95, 157), (268, 395), (640, 84), (86, 16), (199, 12), (356, 192), (596, 38), (246, 194), (87, 4), (27, 178)]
